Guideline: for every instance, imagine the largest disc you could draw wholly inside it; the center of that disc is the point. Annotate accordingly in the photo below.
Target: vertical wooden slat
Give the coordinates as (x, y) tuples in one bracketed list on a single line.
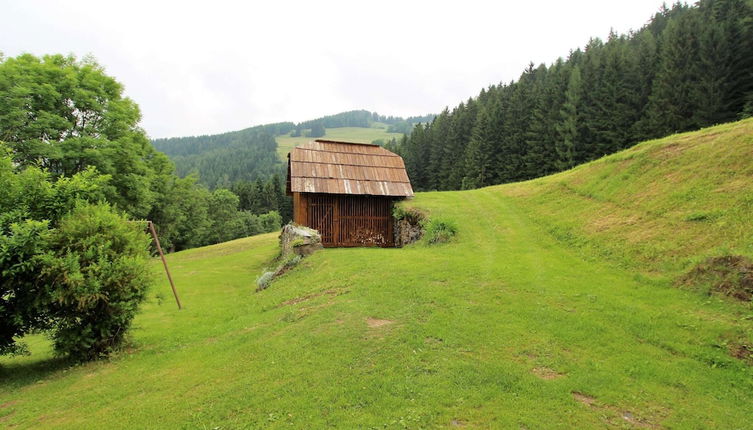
[(347, 220)]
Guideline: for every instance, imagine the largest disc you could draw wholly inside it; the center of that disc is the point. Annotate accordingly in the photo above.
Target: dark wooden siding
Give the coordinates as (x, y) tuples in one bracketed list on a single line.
[(347, 220)]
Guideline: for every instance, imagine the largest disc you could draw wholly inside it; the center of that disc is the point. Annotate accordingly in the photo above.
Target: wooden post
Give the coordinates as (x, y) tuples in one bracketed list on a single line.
[(164, 262)]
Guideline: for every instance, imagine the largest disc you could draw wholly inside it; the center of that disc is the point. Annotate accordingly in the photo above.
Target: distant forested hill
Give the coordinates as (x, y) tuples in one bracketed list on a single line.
[(248, 155), (364, 118), (223, 159), (689, 67)]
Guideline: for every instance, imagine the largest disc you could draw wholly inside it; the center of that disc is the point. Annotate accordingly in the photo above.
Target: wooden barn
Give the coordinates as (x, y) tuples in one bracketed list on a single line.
[(346, 191)]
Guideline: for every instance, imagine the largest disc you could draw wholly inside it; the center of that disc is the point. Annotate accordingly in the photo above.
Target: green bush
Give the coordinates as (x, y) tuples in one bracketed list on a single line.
[(23, 299), (440, 230), (98, 275), (412, 215), (263, 281)]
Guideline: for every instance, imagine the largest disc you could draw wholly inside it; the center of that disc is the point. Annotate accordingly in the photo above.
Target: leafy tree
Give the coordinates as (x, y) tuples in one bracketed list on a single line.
[(223, 210), (65, 115), (69, 264)]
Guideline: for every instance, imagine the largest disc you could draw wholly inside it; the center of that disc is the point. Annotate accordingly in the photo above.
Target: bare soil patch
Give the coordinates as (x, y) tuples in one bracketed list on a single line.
[(730, 275), (583, 398), (375, 322), (625, 415), (742, 352), (547, 373)]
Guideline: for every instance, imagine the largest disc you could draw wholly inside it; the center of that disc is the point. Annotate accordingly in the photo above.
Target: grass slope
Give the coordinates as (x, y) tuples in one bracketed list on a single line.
[(658, 207), (509, 326), (349, 134)]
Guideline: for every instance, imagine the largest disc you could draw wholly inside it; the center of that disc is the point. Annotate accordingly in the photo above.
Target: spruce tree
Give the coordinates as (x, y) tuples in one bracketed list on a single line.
[(567, 129)]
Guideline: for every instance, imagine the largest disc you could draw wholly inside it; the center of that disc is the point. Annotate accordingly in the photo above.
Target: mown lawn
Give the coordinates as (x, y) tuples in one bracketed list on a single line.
[(513, 325)]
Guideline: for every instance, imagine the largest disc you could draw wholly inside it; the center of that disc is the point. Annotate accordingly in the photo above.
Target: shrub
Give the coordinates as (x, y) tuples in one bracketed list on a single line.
[(23, 299), (289, 263), (98, 276), (263, 281), (440, 230), (412, 215)]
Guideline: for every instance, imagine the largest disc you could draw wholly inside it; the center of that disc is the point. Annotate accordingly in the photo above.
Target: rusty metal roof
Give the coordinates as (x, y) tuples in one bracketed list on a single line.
[(328, 166)]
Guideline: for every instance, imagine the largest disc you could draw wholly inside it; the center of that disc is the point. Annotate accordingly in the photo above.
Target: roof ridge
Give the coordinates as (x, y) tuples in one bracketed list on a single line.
[(345, 142), (391, 154)]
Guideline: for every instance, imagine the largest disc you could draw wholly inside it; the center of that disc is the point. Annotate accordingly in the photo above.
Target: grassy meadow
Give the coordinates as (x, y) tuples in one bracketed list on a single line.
[(554, 307), (349, 134)]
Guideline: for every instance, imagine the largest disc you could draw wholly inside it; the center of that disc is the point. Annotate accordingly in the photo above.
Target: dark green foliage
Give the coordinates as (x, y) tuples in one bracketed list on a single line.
[(23, 299), (68, 264), (317, 130), (227, 222), (689, 67), (400, 127), (74, 166), (221, 160), (66, 115), (567, 125), (30, 205), (260, 197), (362, 118), (439, 230), (192, 145), (97, 271), (412, 215), (70, 118)]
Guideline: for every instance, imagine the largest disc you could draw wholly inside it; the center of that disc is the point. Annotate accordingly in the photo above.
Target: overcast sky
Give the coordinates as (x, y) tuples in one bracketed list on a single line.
[(214, 66)]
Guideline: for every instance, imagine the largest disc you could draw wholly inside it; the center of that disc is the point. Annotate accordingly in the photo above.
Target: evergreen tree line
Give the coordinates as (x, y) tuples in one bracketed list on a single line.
[(360, 118), (247, 155), (221, 160), (192, 145), (689, 67), (221, 167)]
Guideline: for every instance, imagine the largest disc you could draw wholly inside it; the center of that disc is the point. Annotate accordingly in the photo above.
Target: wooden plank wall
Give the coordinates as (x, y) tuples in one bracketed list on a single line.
[(348, 220)]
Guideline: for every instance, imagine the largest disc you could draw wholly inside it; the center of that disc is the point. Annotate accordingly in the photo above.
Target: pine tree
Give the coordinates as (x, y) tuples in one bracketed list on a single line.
[(479, 156), (437, 144), (672, 104), (567, 129)]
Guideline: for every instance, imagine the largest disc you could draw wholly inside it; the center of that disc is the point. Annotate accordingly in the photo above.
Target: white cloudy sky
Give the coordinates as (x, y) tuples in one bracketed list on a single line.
[(213, 66)]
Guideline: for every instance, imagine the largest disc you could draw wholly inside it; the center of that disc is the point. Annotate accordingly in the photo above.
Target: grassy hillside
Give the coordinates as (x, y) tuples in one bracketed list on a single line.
[(349, 134), (658, 207), (538, 315)]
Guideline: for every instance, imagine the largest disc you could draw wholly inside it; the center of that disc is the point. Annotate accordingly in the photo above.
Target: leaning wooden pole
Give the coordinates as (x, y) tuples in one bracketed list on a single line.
[(164, 262)]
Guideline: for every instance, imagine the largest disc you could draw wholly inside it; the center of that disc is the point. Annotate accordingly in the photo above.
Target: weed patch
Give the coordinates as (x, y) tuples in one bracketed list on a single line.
[(742, 352), (730, 275), (439, 230)]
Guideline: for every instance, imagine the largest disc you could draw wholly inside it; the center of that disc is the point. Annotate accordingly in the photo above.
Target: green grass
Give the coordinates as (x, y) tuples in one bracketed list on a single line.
[(659, 207), (349, 134), (531, 317)]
